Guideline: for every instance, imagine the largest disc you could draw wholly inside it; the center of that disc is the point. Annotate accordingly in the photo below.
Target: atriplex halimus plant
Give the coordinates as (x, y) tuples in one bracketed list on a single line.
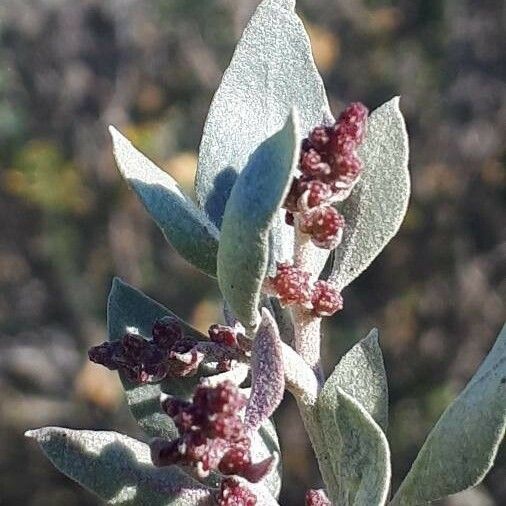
[(280, 184)]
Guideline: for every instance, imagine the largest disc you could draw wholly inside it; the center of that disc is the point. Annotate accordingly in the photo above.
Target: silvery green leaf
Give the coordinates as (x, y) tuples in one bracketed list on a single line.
[(361, 374), (358, 460), (256, 197), (184, 225), (272, 70), (462, 446), (118, 468), (267, 373), (129, 308), (377, 205)]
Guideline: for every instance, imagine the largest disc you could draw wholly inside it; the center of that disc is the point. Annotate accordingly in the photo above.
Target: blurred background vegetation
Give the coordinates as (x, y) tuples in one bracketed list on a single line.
[(68, 223)]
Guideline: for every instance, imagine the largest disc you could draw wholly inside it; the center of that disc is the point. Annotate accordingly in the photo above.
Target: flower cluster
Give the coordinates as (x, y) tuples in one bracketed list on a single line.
[(330, 167), (212, 435), (292, 286), (168, 353)]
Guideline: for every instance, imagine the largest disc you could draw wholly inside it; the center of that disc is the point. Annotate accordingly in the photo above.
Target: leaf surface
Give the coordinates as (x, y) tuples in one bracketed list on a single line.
[(377, 206), (257, 196), (461, 448), (118, 468), (184, 225)]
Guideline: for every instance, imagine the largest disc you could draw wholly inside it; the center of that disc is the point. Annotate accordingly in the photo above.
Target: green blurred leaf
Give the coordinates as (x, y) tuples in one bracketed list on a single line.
[(462, 447), (184, 225), (130, 308), (361, 374), (256, 197), (118, 468), (376, 207), (272, 70), (357, 449)]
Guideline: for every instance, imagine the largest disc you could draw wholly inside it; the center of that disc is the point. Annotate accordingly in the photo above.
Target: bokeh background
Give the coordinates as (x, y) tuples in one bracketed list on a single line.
[(68, 68)]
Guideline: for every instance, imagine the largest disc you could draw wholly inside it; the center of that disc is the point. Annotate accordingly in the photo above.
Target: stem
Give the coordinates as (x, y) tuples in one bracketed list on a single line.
[(307, 331), (307, 339), (312, 425), (307, 342)]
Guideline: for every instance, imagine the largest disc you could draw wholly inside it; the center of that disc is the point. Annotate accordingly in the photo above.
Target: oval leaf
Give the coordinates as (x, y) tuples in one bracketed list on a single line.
[(272, 70), (462, 447), (130, 308), (118, 468), (255, 199), (184, 225), (378, 204), (267, 373), (357, 450), (361, 374)]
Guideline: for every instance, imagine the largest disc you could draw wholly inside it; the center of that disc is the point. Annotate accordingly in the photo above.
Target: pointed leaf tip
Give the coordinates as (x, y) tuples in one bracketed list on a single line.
[(184, 225)]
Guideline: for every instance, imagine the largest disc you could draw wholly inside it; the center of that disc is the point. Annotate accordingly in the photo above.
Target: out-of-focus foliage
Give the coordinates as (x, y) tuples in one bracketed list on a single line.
[(69, 68)]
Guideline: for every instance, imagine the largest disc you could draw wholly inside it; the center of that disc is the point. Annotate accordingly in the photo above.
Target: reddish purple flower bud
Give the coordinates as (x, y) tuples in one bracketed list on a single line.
[(325, 226), (320, 138), (236, 460), (185, 358), (223, 398), (134, 347), (313, 165), (317, 498), (347, 167), (173, 406), (166, 332), (105, 354), (291, 284), (232, 493), (350, 127), (326, 300), (223, 334), (314, 193)]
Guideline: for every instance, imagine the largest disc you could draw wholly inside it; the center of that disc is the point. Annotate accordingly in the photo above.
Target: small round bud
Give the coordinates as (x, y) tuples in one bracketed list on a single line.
[(346, 168), (312, 164), (325, 226), (105, 354), (320, 138), (314, 193), (326, 300), (223, 398), (134, 347), (350, 127), (291, 284), (223, 334), (236, 460)]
